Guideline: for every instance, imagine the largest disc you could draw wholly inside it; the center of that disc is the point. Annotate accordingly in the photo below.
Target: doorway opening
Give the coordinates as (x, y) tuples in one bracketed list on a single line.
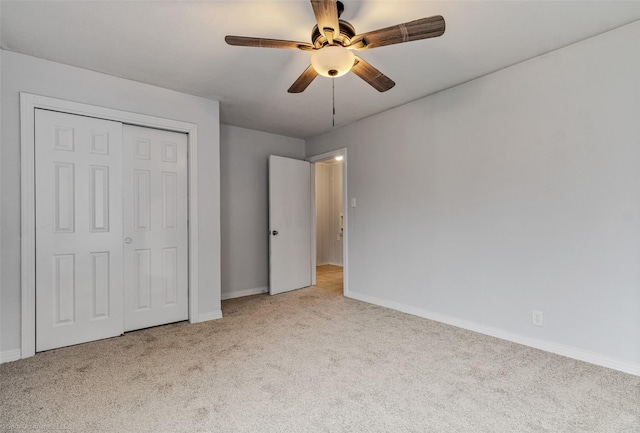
[(330, 221)]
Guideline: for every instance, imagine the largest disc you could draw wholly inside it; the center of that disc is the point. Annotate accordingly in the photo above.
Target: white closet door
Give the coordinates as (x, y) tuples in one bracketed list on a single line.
[(78, 229), (155, 225)]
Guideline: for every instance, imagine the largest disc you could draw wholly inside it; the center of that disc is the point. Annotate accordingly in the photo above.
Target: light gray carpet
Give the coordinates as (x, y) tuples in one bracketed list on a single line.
[(312, 361)]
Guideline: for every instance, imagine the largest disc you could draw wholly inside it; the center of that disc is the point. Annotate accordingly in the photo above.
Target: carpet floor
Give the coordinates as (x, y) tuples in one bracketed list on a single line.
[(312, 361)]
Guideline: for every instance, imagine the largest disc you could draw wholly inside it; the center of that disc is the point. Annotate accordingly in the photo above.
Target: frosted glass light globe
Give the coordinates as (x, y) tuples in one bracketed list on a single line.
[(332, 61)]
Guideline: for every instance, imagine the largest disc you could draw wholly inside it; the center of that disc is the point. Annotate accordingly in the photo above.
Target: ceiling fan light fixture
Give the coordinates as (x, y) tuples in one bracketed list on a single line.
[(332, 61)]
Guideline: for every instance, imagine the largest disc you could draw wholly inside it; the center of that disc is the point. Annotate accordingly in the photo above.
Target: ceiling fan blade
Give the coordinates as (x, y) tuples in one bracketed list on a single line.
[(326, 12), (303, 80), (412, 31), (371, 75), (243, 41)]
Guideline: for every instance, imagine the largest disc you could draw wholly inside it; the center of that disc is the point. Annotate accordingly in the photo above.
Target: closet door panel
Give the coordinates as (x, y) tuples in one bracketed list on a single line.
[(79, 270), (155, 224)]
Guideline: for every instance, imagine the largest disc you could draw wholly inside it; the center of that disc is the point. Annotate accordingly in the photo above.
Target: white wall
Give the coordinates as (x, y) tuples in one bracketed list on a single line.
[(328, 210), (516, 191), (244, 198), (22, 73)]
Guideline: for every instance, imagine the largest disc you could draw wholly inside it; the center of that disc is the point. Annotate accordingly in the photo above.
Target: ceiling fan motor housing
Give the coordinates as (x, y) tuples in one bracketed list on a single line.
[(347, 32)]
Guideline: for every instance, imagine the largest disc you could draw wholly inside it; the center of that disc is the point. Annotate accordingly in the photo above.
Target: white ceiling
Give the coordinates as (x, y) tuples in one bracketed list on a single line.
[(180, 45)]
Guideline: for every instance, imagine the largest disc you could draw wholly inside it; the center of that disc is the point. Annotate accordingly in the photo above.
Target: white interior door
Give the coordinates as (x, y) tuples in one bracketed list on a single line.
[(78, 189), (155, 227), (289, 224)]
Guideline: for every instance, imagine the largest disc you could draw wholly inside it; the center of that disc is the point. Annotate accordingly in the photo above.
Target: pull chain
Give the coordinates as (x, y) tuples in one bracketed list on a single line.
[(333, 95)]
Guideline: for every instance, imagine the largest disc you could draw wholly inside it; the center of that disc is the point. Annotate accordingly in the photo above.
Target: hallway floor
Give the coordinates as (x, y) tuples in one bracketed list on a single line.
[(329, 277)]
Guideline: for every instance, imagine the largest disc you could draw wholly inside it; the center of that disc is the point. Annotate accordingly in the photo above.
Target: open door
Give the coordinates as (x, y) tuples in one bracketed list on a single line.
[(289, 224)]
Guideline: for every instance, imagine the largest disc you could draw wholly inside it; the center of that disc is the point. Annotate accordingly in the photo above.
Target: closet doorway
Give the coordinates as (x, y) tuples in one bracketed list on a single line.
[(111, 228), (84, 195)]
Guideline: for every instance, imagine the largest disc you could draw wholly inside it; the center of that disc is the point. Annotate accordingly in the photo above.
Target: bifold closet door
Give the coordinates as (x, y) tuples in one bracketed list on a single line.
[(155, 227), (79, 262)]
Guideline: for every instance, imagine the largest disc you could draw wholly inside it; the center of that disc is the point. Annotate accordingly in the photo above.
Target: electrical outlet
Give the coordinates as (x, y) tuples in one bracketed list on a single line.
[(537, 318)]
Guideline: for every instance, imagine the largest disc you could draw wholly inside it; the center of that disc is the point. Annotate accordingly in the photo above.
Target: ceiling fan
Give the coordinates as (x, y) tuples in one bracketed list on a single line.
[(332, 40)]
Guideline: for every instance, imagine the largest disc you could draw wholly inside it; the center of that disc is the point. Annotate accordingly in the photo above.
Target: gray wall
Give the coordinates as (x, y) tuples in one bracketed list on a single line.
[(22, 73), (244, 198), (513, 192)]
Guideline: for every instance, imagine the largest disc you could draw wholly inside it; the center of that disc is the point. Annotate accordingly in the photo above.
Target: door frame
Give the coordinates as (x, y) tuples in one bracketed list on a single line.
[(28, 104), (345, 223)]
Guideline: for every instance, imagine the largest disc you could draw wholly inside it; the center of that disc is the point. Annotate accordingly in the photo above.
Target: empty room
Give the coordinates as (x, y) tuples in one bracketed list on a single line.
[(320, 216)]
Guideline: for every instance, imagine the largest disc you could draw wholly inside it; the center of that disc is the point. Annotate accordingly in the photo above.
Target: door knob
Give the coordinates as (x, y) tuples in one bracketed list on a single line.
[(275, 232), (128, 240)]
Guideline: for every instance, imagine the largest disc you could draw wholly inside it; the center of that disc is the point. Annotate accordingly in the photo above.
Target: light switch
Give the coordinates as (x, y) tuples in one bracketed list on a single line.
[(353, 202)]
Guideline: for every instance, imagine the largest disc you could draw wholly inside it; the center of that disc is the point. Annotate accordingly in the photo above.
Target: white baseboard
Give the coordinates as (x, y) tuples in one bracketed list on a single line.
[(9, 355), (547, 346), (246, 292), (209, 316), (329, 263)]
